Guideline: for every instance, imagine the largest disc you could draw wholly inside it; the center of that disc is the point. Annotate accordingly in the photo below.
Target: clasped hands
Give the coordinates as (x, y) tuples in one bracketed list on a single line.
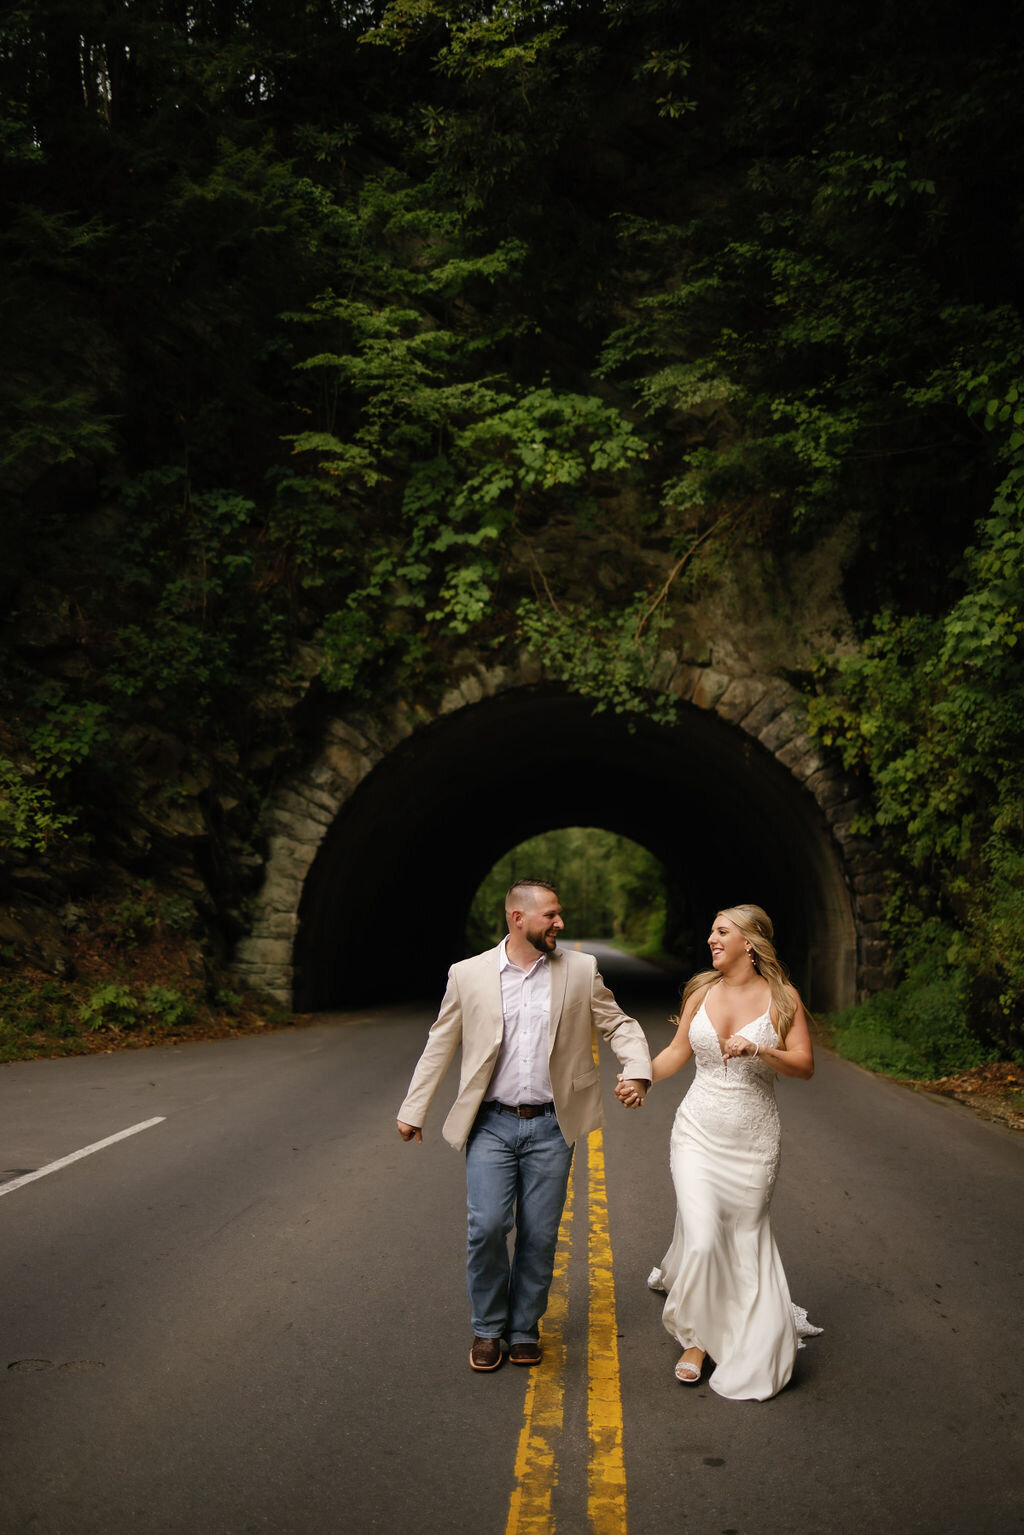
[(631, 1091), (737, 1045)]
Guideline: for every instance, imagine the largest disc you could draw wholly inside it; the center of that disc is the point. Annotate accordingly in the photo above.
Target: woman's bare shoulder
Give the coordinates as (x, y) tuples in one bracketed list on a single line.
[(696, 997)]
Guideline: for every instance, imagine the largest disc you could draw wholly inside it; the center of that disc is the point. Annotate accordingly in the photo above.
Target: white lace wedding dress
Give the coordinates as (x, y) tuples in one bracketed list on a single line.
[(727, 1291)]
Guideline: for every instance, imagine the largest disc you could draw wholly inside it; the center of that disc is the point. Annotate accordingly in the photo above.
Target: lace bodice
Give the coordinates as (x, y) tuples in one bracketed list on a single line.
[(735, 1098), (740, 1072)]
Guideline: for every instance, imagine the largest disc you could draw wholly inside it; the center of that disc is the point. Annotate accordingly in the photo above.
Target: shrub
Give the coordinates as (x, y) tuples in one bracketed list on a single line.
[(168, 1008), (917, 1030), (110, 1006)]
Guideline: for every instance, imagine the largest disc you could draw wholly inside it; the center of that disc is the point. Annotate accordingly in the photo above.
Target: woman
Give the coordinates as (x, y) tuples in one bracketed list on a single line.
[(727, 1292)]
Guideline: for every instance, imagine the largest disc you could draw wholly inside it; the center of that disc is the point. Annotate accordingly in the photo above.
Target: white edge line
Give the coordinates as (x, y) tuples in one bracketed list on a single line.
[(76, 1156)]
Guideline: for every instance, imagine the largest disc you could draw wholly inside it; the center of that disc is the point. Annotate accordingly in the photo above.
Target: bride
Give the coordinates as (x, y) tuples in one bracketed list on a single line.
[(727, 1292)]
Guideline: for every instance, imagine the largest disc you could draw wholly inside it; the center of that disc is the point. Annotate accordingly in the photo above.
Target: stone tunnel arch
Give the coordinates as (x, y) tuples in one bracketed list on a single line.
[(376, 851)]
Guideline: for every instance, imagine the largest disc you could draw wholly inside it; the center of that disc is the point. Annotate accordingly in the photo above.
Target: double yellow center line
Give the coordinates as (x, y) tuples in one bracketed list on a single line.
[(536, 1468)]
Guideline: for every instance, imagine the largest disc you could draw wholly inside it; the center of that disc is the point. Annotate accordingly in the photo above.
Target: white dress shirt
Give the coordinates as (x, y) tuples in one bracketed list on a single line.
[(521, 1073)]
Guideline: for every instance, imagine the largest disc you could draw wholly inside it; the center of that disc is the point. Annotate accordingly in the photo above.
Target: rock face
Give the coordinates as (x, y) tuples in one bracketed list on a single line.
[(33, 933)]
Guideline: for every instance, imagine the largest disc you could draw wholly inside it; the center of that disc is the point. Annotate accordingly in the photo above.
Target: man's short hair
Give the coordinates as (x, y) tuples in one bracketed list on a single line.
[(514, 890)]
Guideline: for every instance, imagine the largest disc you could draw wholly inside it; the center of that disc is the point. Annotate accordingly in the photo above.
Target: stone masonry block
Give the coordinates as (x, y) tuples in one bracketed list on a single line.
[(300, 827), (265, 951), (342, 733), (272, 983), (777, 696), (531, 669), (855, 847), (273, 924), (782, 728), (832, 790), (871, 907), (664, 670), (307, 798), (402, 721), (739, 698), (288, 857), (281, 889), (345, 763), (709, 688), (324, 780), (872, 882), (492, 679), (684, 681), (801, 758), (848, 810), (843, 832)]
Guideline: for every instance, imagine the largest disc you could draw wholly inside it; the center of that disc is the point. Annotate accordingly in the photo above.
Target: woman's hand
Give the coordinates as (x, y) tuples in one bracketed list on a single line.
[(738, 1045), (793, 1058)]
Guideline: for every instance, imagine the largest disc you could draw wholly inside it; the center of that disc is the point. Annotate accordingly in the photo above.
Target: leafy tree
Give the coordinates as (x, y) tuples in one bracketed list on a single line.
[(320, 318)]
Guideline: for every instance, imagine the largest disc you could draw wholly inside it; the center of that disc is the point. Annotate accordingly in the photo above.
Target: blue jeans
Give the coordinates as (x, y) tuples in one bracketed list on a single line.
[(517, 1173)]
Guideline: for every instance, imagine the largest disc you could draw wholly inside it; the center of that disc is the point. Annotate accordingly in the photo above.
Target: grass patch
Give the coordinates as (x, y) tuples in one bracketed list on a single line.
[(918, 1031)]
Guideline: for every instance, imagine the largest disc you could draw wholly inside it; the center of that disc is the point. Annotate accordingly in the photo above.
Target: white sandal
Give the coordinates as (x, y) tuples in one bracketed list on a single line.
[(688, 1372)]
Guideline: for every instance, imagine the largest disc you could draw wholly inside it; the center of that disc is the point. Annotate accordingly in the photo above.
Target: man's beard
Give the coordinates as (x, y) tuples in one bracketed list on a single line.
[(540, 941)]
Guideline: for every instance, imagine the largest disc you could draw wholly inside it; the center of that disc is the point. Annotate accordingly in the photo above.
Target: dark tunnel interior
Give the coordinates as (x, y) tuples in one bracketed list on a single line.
[(384, 906)]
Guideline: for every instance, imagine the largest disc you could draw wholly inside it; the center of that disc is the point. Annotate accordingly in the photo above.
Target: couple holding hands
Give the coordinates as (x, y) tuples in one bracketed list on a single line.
[(523, 1014)]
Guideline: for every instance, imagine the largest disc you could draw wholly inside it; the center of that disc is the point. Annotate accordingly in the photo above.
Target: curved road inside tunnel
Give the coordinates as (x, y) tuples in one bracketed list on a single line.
[(250, 1317), (384, 906)]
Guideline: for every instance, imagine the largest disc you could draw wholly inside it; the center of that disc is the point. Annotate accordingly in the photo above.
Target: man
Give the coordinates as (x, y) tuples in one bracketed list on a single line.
[(528, 1089)]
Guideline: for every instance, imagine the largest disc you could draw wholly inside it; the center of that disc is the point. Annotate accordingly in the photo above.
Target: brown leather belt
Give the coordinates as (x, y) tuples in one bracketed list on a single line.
[(523, 1110)]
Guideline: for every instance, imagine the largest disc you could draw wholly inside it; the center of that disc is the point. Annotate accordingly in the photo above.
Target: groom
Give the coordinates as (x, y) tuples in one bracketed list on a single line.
[(529, 1088)]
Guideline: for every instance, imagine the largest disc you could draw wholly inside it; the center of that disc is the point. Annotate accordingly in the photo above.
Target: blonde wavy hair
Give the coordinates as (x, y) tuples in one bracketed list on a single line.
[(757, 928)]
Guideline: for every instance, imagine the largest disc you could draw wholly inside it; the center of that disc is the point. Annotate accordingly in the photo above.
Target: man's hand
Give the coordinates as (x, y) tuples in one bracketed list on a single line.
[(631, 1091), (409, 1132)]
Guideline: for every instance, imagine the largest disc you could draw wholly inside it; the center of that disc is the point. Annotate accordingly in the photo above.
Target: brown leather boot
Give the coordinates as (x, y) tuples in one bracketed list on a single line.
[(486, 1354), (524, 1353)]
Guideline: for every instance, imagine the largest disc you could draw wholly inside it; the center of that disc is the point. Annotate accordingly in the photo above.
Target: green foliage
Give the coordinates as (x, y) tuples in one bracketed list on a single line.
[(68, 732), (227, 998), (168, 1008), (117, 1007), (321, 326), (610, 658), (454, 454), (608, 886), (143, 910), (32, 1011), (49, 1017), (111, 1005), (919, 1030), (29, 819), (509, 39), (931, 711)]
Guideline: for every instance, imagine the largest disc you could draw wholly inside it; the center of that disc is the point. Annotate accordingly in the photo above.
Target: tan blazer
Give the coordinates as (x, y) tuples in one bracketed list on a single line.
[(471, 1016)]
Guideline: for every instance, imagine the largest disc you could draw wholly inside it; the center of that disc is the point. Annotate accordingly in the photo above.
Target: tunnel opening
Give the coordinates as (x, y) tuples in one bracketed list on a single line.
[(384, 907), (610, 888)]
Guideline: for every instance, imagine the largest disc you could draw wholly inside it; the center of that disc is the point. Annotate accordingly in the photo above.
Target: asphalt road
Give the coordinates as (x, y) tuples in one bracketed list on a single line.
[(250, 1317)]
